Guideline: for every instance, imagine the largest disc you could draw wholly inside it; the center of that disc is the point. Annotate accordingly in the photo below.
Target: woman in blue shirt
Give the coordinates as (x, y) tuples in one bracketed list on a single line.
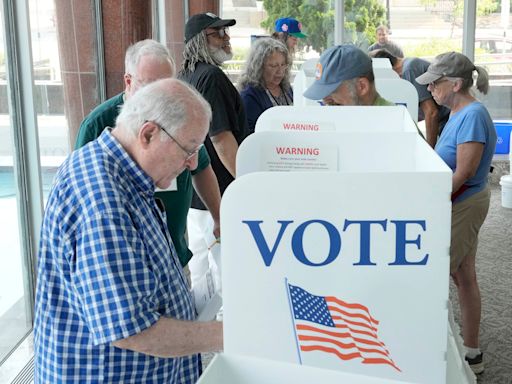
[(466, 145), (265, 81)]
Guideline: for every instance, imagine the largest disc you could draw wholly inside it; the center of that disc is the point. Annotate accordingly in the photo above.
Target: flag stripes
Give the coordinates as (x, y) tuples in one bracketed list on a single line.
[(331, 325)]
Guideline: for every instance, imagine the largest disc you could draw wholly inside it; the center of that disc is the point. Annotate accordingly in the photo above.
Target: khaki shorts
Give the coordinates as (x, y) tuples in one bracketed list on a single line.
[(467, 218)]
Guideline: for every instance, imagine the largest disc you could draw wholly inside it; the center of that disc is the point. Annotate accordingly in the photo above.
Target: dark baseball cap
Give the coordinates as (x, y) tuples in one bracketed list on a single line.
[(201, 21), (337, 64)]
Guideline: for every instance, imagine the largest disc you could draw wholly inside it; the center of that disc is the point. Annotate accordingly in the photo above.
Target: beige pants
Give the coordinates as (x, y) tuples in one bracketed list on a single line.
[(467, 218)]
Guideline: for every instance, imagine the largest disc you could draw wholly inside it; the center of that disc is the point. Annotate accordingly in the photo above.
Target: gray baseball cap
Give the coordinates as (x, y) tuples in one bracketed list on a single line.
[(337, 64), (449, 64)]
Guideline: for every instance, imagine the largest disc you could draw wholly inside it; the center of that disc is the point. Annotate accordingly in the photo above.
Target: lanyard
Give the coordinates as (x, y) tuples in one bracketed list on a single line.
[(285, 100)]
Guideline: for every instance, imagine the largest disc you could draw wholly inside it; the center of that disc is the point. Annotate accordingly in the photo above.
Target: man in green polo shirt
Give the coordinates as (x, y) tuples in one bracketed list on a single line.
[(145, 62)]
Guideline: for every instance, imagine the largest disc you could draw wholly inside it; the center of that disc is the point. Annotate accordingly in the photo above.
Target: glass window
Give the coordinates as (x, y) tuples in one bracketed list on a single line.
[(15, 307), (426, 28), (493, 51), (422, 28), (48, 91), (15, 291), (255, 19)]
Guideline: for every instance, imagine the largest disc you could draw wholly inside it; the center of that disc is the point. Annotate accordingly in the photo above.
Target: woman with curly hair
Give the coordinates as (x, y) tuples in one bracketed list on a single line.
[(265, 80)]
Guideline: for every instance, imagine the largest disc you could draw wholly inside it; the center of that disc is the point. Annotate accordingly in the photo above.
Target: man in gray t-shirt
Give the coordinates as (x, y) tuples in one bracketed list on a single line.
[(383, 42)]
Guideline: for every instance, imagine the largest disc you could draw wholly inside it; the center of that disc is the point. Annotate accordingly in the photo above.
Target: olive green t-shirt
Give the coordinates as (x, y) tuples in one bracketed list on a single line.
[(382, 102)]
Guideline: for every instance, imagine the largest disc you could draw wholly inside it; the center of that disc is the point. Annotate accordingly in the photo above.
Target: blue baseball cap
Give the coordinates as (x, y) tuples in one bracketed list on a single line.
[(290, 26), (337, 64)]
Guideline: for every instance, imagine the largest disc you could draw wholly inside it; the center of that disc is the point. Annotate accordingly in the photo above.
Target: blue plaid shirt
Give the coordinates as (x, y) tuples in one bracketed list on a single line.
[(105, 272)]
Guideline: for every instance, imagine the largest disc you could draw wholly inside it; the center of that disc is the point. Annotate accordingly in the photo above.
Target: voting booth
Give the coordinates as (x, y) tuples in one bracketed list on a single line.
[(328, 119), (336, 263), (387, 83), (382, 69), (233, 369)]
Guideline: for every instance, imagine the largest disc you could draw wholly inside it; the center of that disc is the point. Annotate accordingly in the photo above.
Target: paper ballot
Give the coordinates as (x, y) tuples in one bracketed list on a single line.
[(208, 291), (207, 297)]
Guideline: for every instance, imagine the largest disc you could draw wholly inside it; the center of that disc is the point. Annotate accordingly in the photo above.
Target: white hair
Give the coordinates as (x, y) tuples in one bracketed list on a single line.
[(143, 48), (168, 102)]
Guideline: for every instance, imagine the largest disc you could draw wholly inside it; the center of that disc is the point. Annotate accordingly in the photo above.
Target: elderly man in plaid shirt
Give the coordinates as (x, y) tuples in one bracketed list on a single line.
[(112, 303)]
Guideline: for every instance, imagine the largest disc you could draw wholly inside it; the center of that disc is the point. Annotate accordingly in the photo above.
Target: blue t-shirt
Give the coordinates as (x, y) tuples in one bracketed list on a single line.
[(471, 124)]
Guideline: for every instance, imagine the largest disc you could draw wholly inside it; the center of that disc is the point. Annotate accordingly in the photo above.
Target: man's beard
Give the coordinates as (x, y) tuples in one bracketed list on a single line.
[(219, 55)]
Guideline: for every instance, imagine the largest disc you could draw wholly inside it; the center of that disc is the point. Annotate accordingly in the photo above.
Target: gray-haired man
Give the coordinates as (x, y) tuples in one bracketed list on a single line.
[(112, 302), (145, 62), (344, 76)]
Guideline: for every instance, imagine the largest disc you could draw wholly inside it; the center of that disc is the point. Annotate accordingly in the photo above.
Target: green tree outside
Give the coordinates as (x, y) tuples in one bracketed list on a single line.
[(362, 17)]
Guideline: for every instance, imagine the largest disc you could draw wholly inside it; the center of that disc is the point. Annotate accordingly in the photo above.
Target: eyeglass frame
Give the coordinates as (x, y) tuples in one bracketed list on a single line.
[(190, 154), (220, 32), (278, 66), (435, 83), (136, 80)]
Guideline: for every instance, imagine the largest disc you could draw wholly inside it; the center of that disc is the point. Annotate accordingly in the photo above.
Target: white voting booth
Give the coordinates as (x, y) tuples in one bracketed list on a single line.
[(387, 83), (328, 119), (335, 260), (382, 69)]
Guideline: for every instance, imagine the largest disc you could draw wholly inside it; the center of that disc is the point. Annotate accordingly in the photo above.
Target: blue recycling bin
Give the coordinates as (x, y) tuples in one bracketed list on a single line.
[(503, 129)]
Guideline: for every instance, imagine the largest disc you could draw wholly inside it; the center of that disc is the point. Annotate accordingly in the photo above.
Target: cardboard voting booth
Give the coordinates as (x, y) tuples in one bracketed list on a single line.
[(350, 269), (335, 263), (234, 369), (335, 118), (389, 86), (400, 92), (341, 262), (382, 69)]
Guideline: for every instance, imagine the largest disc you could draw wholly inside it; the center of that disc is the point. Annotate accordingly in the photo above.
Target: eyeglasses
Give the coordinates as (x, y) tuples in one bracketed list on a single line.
[(190, 154), (138, 81), (435, 84), (278, 66), (220, 33)]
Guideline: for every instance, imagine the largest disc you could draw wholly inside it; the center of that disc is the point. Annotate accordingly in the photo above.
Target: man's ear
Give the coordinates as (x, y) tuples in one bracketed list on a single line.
[(148, 133), (128, 81), (362, 86)]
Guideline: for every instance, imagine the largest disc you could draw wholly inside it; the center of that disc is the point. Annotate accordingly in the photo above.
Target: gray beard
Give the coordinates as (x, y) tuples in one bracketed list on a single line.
[(353, 93), (219, 55)]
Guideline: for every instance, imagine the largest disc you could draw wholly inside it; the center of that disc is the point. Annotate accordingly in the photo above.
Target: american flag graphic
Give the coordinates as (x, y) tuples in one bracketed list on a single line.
[(331, 325)]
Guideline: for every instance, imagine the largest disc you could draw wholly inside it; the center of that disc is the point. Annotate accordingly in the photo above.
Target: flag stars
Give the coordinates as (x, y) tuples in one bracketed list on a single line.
[(314, 309)]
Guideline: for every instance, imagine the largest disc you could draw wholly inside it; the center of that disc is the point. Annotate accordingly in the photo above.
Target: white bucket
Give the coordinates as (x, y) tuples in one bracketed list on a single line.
[(506, 191)]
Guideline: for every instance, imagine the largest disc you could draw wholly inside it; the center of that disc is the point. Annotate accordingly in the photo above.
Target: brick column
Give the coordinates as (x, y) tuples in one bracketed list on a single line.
[(175, 22), (124, 22)]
